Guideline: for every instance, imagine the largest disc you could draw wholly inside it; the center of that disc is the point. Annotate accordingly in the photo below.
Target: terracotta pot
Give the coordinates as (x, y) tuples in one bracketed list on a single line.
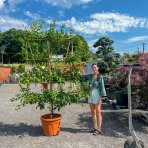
[(4, 73), (51, 127)]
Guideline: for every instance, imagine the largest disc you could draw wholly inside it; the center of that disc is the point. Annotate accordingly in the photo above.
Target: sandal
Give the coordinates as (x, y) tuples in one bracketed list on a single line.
[(97, 132), (92, 130)]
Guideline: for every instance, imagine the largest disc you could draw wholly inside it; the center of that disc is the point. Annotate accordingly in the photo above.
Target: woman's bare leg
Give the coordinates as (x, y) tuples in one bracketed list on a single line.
[(98, 113), (93, 112)]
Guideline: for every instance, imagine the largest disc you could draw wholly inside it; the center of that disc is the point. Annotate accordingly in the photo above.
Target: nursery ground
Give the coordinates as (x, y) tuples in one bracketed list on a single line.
[(21, 129)]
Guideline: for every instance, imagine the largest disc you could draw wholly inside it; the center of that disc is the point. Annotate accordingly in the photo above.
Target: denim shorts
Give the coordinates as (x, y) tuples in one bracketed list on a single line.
[(94, 96)]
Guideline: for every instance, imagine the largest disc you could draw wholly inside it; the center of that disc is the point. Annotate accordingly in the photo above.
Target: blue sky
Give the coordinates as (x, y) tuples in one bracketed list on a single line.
[(124, 21)]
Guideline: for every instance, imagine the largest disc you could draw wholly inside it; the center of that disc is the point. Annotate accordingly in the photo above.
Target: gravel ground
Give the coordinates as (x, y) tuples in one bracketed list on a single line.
[(21, 129)]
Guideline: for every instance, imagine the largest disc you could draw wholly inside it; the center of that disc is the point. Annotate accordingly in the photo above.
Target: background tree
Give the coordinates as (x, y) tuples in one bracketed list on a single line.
[(12, 41), (129, 57), (93, 56), (104, 45), (81, 48), (107, 58), (2, 51)]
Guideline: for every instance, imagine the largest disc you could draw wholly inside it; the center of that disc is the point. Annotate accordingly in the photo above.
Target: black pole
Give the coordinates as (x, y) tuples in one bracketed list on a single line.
[(143, 47)]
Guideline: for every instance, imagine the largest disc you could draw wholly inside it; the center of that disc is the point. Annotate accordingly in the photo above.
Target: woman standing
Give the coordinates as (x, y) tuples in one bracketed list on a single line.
[(96, 91)]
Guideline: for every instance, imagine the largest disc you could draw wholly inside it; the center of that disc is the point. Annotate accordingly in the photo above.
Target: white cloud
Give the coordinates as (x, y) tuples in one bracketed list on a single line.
[(101, 23), (10, 6), (137, 39), (3, 8), (32, 15), (8, 22), (2, 3), (66, 3)]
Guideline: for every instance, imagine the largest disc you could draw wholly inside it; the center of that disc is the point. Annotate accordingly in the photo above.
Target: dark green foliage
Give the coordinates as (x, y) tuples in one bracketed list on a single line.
[(108, 59), (11, 43), (81, 48)]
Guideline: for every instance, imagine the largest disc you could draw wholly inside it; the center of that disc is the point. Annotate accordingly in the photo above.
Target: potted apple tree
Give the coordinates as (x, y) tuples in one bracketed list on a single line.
[(59, 76)]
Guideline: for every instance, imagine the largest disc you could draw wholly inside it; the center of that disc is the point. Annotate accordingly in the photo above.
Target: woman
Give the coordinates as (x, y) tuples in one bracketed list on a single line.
[(96, 91)]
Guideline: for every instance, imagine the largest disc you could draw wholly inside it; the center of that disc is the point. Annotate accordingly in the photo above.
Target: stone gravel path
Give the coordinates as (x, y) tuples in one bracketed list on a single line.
[(21, 129)]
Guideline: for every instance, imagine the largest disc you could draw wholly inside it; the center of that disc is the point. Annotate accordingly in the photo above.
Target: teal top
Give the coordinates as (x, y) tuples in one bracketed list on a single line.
[(97, 83)]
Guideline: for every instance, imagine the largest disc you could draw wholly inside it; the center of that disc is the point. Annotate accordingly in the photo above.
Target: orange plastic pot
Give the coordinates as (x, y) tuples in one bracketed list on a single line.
[(51, 127)]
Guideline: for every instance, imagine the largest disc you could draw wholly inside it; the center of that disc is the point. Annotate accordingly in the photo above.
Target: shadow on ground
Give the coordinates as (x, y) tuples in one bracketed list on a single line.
[(115, 123), (74, 130), (20, 129)]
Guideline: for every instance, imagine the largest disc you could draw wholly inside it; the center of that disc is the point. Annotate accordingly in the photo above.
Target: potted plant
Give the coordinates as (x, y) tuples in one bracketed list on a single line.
[(118, 85), (39, 46), (4, 73), (139, 80), (15, 73)]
